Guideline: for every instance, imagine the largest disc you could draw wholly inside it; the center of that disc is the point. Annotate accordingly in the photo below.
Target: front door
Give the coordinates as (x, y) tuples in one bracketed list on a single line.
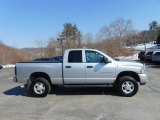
[(97, 71)]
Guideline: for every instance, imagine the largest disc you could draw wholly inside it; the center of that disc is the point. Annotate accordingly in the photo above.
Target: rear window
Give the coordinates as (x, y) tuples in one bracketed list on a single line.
[(157, 53), (57, 59), (75, 56)]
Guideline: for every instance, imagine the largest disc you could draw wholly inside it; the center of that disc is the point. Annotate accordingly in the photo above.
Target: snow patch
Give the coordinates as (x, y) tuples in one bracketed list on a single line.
[(148, 46), (128, 58), (8, 66)]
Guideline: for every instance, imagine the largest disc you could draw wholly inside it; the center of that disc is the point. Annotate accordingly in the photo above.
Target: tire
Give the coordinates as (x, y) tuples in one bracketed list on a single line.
[(115, 87), (127, 86), (40, 87)]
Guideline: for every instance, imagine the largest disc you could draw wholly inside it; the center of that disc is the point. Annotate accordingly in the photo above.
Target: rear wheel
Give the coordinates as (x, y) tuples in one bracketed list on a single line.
[(127, 86), (40, 87)]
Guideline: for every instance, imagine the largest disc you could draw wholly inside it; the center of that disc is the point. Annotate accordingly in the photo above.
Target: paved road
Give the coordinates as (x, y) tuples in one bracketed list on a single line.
[(82, 103)]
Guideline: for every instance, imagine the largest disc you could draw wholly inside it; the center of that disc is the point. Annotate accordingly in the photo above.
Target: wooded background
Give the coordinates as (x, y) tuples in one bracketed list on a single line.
[(111, 39)]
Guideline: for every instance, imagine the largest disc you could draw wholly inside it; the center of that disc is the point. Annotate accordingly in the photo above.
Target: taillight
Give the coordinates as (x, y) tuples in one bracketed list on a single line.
[(15, 70)]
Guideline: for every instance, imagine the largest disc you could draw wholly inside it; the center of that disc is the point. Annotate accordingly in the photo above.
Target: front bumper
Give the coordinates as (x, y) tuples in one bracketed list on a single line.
[(143, 79)]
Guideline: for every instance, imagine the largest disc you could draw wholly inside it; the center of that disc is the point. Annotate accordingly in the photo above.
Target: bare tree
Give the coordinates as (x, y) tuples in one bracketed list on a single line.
[(88, 40), (117, 30), (54, 47), (41, 45)]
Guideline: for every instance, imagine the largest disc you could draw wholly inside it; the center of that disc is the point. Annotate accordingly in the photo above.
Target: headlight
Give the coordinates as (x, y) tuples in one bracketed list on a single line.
[(141, 71)]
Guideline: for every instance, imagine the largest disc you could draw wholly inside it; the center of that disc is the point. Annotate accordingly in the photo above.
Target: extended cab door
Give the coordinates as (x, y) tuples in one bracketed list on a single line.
[(74, 68), (98, 71)]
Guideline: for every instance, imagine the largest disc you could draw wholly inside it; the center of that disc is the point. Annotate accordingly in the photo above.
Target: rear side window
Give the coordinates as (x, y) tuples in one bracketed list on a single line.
[(75, 56)]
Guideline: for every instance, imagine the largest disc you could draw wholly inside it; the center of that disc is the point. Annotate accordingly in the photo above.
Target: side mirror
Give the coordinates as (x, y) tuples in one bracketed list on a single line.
[(105, 60)]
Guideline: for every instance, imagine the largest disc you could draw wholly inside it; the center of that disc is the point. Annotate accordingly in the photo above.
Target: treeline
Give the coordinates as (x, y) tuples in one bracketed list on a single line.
[(10, 55), (112, 38)]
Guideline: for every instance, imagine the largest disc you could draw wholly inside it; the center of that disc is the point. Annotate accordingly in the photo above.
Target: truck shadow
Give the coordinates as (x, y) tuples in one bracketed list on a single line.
[(60, 90), (91, 90), (17, 91)]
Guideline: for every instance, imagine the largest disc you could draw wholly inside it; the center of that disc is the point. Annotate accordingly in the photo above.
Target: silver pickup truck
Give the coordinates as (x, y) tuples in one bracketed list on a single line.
[(81, 67)]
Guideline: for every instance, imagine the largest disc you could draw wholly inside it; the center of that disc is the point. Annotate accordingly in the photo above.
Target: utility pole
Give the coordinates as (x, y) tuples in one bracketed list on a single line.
[(144, 41), (61, 39)]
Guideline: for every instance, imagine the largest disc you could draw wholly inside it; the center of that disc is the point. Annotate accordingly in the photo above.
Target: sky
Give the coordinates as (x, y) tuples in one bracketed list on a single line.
[(25, 22)]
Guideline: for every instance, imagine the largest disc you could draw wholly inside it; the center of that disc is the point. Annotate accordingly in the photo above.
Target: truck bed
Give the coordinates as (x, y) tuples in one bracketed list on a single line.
[(53, 70)]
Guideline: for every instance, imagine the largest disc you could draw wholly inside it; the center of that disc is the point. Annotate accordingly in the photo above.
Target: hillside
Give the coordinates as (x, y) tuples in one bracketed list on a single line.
[(10, 55)]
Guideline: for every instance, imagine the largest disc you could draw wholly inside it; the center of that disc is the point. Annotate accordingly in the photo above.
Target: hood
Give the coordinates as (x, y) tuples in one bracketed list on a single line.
[(135, 64)]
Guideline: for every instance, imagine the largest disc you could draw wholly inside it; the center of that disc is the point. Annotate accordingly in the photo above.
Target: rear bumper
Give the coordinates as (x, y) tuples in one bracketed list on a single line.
[(25, 85), (14, 79), (143, 79)]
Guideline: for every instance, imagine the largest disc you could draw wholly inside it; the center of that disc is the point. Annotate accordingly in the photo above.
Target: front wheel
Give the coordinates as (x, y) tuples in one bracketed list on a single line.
[(40, 87), (127, 86)]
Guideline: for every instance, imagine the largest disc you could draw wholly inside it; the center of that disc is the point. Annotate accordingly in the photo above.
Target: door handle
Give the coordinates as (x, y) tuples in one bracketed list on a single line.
[(68, 66), (89, 66)]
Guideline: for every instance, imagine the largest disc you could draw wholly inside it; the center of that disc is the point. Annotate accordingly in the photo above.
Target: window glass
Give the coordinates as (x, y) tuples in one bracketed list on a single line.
[(94, 57), (75, 56), (149, 53), (157, 53)]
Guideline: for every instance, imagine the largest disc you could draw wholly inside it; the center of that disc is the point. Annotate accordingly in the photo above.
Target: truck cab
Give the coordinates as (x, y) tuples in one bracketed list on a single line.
[(88, 67)]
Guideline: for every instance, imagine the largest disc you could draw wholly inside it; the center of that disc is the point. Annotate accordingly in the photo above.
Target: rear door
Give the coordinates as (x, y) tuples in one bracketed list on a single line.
[(74, 68)]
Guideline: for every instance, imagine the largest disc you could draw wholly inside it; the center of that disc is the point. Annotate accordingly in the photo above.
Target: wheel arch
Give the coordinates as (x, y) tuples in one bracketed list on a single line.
[(128, 73), (35, 75)]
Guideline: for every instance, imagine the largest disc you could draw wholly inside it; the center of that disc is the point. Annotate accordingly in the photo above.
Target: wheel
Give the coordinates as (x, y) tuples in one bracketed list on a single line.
[(127, 86), (40, 87)]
